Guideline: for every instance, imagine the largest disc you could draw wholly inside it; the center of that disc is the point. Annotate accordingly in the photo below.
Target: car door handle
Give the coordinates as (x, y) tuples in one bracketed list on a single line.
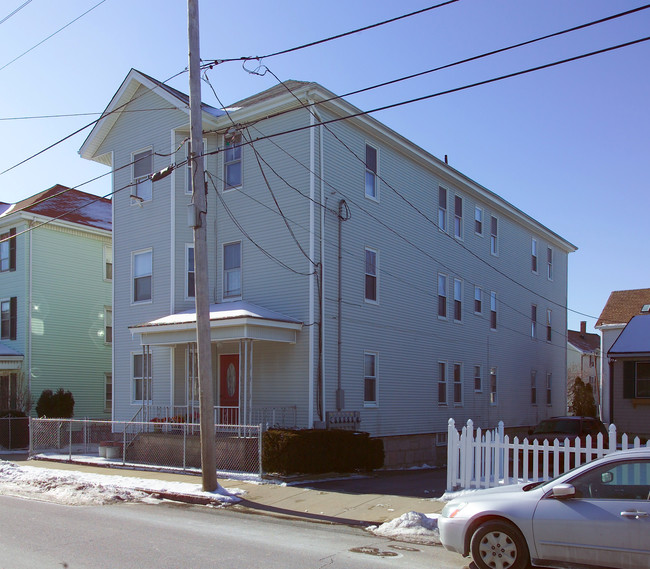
[(634, 514)]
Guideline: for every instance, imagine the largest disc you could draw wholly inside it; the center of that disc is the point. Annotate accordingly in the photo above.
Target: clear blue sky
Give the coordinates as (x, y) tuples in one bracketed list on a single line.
[(569, 146)]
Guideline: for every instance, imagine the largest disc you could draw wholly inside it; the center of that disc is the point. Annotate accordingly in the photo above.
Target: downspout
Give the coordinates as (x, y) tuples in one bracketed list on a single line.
[(29, 314), (340, 394), (312, 161)]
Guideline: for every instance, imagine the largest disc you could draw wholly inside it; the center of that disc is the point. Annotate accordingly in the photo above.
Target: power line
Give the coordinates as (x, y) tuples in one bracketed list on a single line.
[(72, 115), (211, 63), (15, 11), (51, 35)]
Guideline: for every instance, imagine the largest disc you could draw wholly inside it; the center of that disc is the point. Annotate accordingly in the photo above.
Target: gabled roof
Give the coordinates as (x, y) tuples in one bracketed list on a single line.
[(622, 305), (583, 342), (66, 204), (634, 340), (290, 85)]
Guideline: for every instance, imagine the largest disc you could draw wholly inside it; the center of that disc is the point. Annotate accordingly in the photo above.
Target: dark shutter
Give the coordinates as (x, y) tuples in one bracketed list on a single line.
[(12, 249), (629, 380), (13, 317)]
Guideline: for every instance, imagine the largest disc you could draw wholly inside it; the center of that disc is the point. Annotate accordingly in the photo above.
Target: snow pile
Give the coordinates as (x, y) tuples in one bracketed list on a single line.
[(412, 526), (83, 489)]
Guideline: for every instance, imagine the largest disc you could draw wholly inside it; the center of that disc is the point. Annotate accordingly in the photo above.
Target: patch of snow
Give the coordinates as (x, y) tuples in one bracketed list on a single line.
[(412, 526), (77, 488)]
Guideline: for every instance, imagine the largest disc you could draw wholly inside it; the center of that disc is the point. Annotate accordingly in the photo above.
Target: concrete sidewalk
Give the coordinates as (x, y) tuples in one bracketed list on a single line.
[(274, 498)]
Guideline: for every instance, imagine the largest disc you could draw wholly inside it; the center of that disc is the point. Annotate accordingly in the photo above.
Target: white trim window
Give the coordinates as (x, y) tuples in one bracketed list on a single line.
[(108, 392), (458, 384), (442, 383), (232, 163), (493, 386), (533, 321), (108, 325), (549, 329), (478, 221), (372, 190), (494, 236), (232, 285), (493, 310), (458, 300), (533, 387), (478, 300), (370, 379), (549, 389), (142, 169), (442, 295), (478, 379), (142, 271), (442, 208), (549, 263), (108, 262), (458, 217), (533, 256), (371, 293), (141, 373), (189, 272)]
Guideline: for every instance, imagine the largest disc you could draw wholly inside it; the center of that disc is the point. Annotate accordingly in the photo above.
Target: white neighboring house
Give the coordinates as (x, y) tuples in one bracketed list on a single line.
[(354, 276), (621, 307), (583, 359)]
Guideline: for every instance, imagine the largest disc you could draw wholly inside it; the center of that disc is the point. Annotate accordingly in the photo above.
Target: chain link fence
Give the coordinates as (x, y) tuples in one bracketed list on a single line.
[(152, 444)]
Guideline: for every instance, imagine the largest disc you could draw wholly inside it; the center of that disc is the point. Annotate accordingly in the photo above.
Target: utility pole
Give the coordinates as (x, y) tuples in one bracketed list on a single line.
[(199, 198)]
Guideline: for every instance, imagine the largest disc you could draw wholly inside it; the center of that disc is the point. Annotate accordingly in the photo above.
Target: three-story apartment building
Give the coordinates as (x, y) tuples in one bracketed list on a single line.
[(353, 275)]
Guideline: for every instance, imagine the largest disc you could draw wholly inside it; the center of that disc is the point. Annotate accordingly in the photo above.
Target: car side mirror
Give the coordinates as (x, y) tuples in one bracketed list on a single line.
[(563, 491), (606, 477)]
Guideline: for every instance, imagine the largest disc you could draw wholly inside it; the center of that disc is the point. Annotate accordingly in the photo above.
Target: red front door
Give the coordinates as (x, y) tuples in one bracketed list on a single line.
[(229, 389)]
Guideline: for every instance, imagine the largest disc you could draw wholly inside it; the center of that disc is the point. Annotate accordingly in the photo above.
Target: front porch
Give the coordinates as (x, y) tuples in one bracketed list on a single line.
[(241, 335)]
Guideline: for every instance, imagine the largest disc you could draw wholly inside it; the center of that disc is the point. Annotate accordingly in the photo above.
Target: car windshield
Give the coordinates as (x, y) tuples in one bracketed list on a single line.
[(567, 426)]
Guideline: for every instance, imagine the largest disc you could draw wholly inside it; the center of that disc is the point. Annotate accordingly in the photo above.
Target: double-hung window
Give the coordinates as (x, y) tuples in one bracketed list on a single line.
[(108, 263), (142, 275), (371, 172), (442, 383), (232, 270), (549, 329), (533, 387), (458, 217), (478, 300), (8, 251), (533, 321), (458, 300), (549, 388), (142, 170), (142, 374), (442, 209), (549, 263), (189, 271), (478, 221), (370, 379), (232, 163), (533, 255), (493, 386), (371, 276), (8, 318), (494, 235), (458, 384), (636, 380), (493, 310), (442, 296), (108, 392), (108, 325), (478, 379)]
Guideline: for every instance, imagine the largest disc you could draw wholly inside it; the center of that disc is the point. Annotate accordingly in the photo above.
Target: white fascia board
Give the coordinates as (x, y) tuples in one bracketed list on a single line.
[(245, 321), (45, 220), (607, 327)]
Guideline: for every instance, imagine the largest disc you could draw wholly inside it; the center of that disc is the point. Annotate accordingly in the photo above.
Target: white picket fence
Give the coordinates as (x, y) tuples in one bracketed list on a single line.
[(485, 459)]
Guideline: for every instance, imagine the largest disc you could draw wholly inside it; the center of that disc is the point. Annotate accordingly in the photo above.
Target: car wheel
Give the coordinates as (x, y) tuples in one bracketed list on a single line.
[(499, 545)]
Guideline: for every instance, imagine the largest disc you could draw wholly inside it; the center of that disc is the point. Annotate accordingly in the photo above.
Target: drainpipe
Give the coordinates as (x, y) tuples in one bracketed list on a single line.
[(340, 394), (312, 160), (29, 314)]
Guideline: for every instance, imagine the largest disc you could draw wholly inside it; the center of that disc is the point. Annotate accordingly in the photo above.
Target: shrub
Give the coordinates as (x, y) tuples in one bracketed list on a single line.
[(313, 451), (55, 405)]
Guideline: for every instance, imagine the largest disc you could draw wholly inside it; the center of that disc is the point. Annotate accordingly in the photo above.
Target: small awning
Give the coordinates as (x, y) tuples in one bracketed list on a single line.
[(10, 360), (634, 340), (237, 320)]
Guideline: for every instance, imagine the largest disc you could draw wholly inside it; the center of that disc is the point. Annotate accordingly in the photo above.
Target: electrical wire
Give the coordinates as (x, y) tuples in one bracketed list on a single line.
[(211, 63), (69, 115), (51, 35), (15, 11)]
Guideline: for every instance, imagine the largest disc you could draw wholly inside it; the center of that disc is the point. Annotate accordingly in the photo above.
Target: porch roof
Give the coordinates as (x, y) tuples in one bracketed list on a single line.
[(237, 320), (10, 359)]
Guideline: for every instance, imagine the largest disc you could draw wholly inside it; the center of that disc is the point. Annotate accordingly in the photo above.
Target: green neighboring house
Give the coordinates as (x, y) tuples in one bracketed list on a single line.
[(56, 275)]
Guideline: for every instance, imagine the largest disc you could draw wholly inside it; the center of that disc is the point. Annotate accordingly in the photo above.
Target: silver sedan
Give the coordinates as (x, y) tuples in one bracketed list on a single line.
[(596, 515)]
